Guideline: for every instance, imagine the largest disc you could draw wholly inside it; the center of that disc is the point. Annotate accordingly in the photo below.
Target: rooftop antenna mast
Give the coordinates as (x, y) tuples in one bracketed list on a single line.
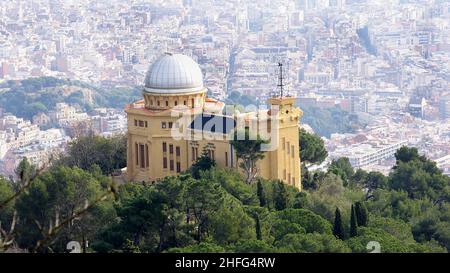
[(280, 79)]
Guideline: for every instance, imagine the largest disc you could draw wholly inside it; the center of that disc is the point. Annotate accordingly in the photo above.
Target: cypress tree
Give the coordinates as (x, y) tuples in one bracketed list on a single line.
[(361, 214), (338, 228), (353, 223), (261, 194), (258, 229), (280, 196)]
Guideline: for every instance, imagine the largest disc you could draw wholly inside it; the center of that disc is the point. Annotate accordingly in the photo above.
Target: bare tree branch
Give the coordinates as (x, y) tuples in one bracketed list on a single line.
[(5, 203)]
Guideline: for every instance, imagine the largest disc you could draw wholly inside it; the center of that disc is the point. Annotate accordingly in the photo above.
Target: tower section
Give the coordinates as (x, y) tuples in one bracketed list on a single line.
[(284, 161)]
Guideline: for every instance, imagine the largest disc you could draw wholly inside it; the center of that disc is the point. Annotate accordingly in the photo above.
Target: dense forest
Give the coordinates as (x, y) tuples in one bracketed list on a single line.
[(209, 209), (28, 97)]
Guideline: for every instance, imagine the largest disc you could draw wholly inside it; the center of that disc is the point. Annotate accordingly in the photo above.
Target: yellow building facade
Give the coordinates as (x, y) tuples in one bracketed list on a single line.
[(175, 122)]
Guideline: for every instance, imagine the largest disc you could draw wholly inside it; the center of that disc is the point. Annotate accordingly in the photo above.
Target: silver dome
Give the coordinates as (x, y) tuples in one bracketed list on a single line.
[(173, 74)]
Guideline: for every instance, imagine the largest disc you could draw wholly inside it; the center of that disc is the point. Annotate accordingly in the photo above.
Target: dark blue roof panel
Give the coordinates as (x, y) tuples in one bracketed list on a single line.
[(213, 123)]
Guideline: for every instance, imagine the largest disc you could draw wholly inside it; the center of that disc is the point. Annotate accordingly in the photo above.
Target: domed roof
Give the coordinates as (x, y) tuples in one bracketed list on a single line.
[(174, 74)]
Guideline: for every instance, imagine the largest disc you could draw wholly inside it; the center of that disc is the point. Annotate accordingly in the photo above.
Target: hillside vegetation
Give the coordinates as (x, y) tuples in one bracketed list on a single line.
[(209, 209), (35, 95), (330, 120)]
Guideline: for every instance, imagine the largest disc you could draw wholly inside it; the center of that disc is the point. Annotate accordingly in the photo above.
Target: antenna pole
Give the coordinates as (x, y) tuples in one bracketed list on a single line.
[(280, 79)]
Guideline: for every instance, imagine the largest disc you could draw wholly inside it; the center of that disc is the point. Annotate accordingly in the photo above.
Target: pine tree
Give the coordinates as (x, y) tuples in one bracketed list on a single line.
[(280, 196), (248, 151), (338, 228), (258, 229), (261, 194), (203, 163), (361, 214), (353, 223)]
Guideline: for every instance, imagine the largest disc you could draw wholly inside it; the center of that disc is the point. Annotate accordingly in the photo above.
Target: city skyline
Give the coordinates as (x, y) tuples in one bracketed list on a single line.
[(224, 126), (389, 67)]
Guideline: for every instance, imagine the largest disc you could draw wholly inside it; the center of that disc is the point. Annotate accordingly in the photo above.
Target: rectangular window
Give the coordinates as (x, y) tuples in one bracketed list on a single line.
[(165, 162), (142, 155), (146, 156), (171, 149), (184, 102), (192, 101), (136, 150), (164, 147), (284, 174), (177, 151), (159, 103), (167, 103), (193, 153), (293, 181), (289, 178), (226, 159), (284, 143), (163, 125), (170, 125), (178, 167), (146, 124), (196, 153), (171, 165), (135, 122), (288, 150), (176, 103), (141, 123)]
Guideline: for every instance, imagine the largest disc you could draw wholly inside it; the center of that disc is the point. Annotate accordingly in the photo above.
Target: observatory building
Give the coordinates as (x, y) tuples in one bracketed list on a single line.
[(176, 122)]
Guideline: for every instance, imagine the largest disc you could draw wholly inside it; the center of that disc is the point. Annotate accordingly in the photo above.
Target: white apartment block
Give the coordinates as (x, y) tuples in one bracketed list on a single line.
[(366, 154), (17, 131)]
